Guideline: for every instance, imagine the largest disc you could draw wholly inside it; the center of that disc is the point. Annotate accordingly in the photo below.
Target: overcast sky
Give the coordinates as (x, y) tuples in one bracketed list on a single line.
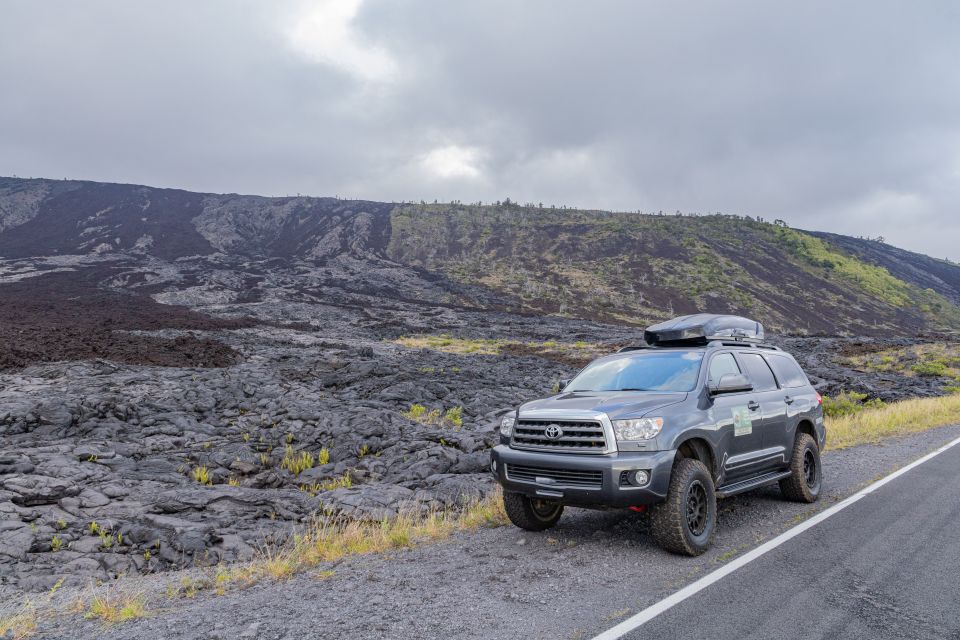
[(834, 116)]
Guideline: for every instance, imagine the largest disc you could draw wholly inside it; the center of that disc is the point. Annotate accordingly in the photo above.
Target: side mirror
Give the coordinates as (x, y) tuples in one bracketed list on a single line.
[(563, 384), (731, 383)]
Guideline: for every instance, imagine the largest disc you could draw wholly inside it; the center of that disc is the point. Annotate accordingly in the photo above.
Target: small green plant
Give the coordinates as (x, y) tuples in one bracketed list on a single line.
[(454, 416), (94, 528), (61, 524), (416, 412), (324, 456), (56, 543), (435, 417), (264, 460), (233, 482), (363, 451), (296, 462), (201, 475), (289, 438)]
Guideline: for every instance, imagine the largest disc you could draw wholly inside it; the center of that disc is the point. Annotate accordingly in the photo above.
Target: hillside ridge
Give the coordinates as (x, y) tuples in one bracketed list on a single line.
[(613, 267)]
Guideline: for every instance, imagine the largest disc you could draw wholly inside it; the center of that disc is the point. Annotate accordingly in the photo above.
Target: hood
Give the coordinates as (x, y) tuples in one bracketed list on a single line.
[(616, 404)]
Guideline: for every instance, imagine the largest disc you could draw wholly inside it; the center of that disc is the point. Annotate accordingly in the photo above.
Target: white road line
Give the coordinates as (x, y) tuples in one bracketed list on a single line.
[(654, 610)]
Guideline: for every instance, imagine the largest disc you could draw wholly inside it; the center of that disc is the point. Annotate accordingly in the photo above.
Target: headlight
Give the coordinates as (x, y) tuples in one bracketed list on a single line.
[(506, 426), (639, 429)]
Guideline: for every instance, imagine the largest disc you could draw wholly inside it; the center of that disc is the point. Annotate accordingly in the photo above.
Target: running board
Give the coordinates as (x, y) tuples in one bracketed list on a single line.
[(751, 483)]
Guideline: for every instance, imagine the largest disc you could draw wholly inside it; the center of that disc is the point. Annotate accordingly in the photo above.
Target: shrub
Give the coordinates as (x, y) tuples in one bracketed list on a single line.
[(930, 368), (848, 403)]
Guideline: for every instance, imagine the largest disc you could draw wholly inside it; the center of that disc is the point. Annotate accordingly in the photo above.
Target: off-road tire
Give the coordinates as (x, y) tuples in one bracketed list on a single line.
[(670, 525), (529, 513), (804, 482)]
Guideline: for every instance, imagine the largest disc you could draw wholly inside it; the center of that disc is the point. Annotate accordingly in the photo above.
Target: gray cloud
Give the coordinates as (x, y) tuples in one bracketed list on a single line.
[(835, 116)]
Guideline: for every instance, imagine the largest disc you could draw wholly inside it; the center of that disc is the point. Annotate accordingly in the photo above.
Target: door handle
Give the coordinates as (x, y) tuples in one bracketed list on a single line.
[(788, 399), (753, 405)]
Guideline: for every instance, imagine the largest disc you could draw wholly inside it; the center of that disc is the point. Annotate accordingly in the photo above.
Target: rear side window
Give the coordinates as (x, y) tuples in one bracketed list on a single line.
[(759, 372), (788, 372), (722, 365)]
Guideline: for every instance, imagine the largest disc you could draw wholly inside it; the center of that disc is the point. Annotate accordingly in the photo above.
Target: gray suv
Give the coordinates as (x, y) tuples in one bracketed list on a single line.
[(702, 410)]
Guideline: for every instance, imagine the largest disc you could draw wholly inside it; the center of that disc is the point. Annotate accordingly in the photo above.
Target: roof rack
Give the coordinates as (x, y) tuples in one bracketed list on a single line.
[(635, 347), (719, 342)]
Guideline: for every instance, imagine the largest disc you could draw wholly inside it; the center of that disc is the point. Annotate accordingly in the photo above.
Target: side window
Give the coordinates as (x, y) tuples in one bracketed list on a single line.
[(721, 365), (788, 372), (759, 372)]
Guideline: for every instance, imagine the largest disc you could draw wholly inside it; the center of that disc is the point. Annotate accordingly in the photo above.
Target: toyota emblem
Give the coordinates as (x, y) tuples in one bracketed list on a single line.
[(553, 431)]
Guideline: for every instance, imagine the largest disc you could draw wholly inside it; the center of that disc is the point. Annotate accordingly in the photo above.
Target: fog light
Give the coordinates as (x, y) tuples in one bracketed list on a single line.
[(640, 478), (493, 466)]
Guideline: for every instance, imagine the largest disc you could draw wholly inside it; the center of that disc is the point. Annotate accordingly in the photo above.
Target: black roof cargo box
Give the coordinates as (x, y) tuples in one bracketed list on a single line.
[(701, 328)]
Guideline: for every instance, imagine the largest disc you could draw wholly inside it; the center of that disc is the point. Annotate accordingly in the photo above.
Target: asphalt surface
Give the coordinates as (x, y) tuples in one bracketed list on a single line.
[(595, 569), (888, 566)]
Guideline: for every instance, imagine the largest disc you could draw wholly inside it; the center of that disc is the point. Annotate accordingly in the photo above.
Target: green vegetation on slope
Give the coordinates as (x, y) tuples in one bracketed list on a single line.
[(634, 268)]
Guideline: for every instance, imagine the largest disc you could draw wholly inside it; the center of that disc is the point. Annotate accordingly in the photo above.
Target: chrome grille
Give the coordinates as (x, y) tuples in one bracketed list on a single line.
[(555, 477), (579, 436)]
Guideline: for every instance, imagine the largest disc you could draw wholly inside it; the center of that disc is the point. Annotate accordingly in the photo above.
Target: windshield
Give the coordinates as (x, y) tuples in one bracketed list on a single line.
[(670, 371)]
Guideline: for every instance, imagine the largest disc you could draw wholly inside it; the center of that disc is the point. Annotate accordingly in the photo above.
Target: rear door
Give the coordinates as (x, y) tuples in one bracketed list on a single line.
[(770, 451), (737, 416), (798, 396)]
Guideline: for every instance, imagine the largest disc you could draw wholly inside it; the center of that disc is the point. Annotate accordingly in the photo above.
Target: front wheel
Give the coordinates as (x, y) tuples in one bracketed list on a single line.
[(685, 522), (529, 513), (805, 479)]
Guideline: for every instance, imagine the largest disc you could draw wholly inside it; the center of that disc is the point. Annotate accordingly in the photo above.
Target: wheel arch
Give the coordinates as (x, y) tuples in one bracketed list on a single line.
[(700, 449), (806, 426)]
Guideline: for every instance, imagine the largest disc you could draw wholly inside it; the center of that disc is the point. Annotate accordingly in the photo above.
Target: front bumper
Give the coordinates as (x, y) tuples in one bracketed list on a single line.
[(610, 493)]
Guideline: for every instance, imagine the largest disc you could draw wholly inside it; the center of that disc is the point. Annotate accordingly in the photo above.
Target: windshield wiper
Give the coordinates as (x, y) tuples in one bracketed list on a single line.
[(635, 389)]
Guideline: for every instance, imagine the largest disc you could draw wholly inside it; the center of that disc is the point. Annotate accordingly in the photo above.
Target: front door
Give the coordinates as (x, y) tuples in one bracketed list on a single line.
[(738, 417)]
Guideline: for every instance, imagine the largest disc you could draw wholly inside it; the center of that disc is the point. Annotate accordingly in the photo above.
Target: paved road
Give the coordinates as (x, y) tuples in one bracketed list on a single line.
[(888, 566)]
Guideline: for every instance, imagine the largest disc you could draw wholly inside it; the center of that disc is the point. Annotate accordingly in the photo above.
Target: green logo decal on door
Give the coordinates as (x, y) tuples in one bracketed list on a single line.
[(742, 423)]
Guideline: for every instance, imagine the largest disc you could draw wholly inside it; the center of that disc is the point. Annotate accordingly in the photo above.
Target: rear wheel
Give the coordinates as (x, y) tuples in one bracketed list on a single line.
[(806, 478), (529, 513), (686, 521)]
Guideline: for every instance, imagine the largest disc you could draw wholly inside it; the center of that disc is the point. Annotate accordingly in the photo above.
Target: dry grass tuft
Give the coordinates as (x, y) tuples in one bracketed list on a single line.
[(891, 420), (21, 624), (117, 608), (329, 540)]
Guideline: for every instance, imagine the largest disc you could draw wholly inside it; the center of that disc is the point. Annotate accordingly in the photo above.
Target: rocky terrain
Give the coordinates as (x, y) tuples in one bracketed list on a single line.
[(187, 377)]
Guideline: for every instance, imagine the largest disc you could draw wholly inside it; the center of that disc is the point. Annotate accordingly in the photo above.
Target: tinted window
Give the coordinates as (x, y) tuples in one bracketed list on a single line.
[(664, 371), (788, 372), (759, 372), (722, 365)]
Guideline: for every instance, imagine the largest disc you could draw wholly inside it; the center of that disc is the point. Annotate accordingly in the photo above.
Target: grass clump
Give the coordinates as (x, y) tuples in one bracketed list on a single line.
[(117, 608), (297, 462), (893, 419), (201, 475)]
